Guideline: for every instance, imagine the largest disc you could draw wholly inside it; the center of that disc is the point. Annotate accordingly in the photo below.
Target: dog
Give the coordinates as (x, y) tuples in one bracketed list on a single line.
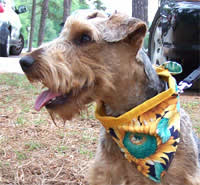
[(99, 58)]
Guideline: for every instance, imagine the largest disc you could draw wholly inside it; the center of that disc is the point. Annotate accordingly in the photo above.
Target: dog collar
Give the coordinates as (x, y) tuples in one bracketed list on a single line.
[(148, 135)]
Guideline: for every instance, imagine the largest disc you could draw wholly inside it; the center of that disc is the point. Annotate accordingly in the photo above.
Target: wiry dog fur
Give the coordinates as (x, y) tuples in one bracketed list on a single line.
[(99, 58)]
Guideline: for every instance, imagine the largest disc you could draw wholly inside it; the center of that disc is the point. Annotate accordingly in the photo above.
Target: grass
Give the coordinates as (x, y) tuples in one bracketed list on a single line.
[(197, 129), (34, 151), (32, 145), (84, 151), (20, 155), (191, 103), (15, 80), (20, 120), (62, 149)]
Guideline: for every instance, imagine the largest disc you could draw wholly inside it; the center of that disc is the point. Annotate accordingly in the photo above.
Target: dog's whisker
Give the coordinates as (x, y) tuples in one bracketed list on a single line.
[(52, 115)]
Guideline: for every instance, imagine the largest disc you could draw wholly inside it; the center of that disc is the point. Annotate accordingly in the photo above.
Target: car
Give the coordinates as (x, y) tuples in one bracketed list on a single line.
[(175, 36), (11, 39)]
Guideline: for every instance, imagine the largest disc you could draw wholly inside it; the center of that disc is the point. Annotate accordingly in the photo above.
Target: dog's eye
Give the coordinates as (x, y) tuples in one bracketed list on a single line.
[(84, 38)]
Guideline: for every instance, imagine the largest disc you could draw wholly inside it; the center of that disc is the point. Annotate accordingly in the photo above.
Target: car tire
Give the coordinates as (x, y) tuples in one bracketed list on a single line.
[(155, 45), (5, 44), (16, 50)]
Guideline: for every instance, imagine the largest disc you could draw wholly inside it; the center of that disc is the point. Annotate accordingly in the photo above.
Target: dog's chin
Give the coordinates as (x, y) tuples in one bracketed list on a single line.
[(66, 109)]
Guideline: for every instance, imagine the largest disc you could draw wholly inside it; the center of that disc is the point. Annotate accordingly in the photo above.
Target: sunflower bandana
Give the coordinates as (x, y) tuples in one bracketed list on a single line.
[(148, 135)]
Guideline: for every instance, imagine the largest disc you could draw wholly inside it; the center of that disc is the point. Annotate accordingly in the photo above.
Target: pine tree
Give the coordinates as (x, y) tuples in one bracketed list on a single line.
[(66, 11), (44, 14), (32, 25), (140, 9)]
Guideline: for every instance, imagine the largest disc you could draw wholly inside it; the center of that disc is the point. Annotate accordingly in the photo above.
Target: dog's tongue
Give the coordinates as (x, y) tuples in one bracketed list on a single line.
[(43, 98)]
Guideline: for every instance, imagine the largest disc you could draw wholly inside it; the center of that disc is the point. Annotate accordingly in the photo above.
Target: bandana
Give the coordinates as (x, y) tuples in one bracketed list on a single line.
[(148, 134)]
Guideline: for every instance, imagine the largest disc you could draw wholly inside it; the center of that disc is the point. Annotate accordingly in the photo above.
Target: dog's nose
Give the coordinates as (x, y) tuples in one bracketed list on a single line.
[(26, 62)]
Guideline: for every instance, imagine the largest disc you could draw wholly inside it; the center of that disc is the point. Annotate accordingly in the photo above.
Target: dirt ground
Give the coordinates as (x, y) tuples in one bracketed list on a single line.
[(33, 151), (190, 101)]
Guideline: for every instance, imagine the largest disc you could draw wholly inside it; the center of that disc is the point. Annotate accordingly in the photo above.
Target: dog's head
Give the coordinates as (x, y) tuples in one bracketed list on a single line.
[(92, 56)]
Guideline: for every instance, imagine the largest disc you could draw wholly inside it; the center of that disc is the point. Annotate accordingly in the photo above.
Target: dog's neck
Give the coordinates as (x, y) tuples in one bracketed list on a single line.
[(141, 86)]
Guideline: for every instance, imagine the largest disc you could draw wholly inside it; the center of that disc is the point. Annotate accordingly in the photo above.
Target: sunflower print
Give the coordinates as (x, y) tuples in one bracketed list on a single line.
[(148, 135)]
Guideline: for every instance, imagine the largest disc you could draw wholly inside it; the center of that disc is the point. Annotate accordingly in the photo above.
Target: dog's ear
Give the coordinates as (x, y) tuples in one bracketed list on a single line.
[(122, 27)]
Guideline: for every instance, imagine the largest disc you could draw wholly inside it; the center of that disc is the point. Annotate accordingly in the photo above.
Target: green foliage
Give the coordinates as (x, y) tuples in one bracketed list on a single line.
[(53, 21), (77, 4), (16, 81), (146, 41), (99, 5), (21, 155), (62, 149), (32, 145), (25, 17)]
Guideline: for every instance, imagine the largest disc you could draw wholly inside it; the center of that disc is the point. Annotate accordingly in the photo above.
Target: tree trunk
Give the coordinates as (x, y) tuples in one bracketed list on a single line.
[(140, 9), (43, 21), (66, 11), (32, 25)]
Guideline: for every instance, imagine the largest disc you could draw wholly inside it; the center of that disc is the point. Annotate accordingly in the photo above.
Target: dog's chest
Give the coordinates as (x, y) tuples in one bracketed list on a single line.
[(148, 135)]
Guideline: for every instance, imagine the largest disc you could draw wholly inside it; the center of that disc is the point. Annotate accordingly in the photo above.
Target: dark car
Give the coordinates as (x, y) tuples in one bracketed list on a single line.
[(175, 36), (11, 39)]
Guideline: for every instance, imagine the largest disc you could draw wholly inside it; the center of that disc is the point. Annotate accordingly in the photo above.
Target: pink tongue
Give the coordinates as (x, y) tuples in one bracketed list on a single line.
[(43, 98)]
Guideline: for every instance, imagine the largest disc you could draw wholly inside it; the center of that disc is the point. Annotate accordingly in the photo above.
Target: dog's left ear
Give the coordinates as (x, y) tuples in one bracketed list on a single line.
[(122, 27)]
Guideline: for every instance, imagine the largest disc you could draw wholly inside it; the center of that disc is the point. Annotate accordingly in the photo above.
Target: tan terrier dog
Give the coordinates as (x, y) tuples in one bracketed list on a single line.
[(99, 58)]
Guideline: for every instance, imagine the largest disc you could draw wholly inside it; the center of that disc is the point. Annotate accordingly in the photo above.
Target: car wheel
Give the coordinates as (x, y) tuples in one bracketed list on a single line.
[(5, 47), (16, 50), (155, 45)]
